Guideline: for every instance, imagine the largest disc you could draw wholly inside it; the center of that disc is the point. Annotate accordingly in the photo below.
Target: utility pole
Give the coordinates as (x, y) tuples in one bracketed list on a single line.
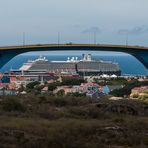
[(58, 38), (23, 38), (95, 37), (127, 38)]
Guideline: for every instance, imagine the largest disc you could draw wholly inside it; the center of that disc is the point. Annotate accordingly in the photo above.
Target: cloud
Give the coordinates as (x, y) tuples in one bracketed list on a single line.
[(134, 31), (92, 30), (123, 31), (77, 26), (139, 30)]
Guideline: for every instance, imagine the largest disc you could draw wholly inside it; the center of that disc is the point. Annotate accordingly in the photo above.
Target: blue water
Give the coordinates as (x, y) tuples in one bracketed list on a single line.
[(127, 63)]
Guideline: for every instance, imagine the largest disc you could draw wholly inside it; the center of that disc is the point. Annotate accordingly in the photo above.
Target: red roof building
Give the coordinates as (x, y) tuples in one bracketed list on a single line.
[(17, 78), (139, 89)]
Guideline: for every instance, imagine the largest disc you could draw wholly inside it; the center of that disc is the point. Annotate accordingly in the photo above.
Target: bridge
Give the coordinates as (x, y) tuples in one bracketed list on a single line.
[(139, 52)]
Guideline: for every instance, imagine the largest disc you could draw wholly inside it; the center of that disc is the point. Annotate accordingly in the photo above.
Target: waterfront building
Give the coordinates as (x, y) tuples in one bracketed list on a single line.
[(137, 90), (5, 79), (18, 81)]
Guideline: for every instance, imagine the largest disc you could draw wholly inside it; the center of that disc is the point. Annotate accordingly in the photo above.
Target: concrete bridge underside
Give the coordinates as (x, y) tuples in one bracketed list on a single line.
[(7, 53)]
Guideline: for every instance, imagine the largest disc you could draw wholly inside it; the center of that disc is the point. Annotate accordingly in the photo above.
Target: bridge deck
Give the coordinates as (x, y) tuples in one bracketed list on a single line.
[(73, 45)]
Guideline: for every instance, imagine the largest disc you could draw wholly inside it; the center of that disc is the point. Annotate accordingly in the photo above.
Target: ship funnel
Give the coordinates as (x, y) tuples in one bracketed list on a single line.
[(86, 57), (89, 57)]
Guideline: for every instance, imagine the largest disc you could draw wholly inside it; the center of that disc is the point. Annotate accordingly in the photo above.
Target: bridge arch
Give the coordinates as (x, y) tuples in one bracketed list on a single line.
[(140, 53)]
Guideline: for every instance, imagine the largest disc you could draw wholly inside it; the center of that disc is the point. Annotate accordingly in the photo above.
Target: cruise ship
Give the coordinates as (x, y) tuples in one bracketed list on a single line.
[(86, 66)]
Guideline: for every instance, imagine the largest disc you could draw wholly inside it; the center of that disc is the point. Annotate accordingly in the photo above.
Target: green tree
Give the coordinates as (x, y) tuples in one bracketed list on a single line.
[(126, 90), (52, 86), (32, 85), (72, 81)]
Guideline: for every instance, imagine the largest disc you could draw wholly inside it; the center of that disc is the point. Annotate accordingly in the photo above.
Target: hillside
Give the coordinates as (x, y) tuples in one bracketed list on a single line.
[(42, 122)]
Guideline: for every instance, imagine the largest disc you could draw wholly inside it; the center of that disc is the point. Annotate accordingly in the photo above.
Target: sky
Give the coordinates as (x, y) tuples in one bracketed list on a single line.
[(75, 21)]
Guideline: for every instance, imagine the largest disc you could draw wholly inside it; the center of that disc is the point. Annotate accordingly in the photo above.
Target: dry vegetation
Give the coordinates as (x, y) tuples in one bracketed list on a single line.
[(54, 122)]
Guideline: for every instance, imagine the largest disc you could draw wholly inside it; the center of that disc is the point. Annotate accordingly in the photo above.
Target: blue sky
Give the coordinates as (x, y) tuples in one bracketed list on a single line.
[(76, 20)]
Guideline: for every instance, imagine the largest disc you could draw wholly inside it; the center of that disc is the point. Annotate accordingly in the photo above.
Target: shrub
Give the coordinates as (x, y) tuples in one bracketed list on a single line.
[(135, 95), (143, 98), (59, 102), (39, 87), (13, 104), (61, 92), (146, 91), (76, 94)]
